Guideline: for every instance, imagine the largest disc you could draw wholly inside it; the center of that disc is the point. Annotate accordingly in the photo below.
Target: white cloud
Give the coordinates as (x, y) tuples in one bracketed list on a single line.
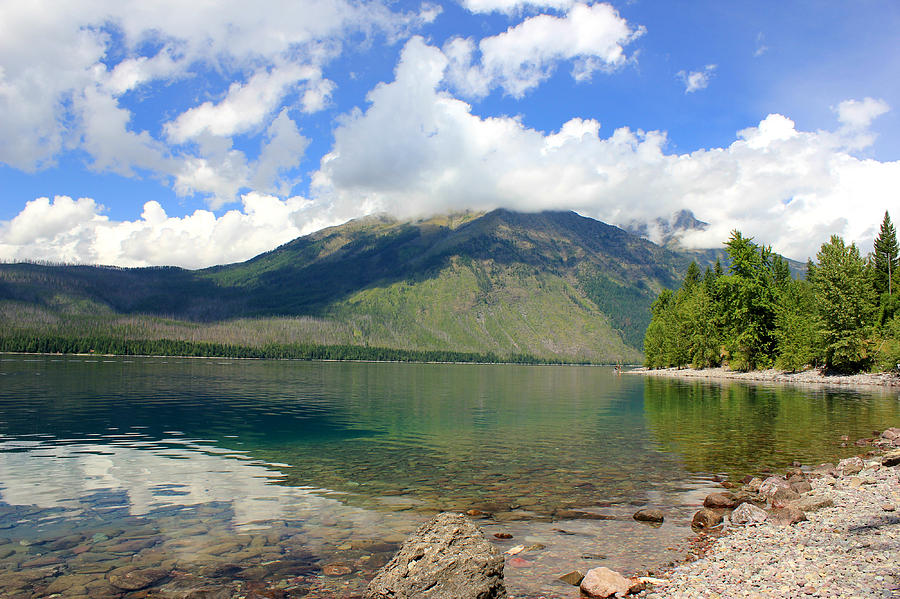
[(66, 66), (67, 230), (859, 114), (244, 107), (523, 56), (417, 150), (696, 80), (511, 6)]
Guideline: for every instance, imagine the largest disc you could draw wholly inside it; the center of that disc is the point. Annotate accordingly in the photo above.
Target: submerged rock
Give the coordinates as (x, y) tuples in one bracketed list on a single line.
[(573, 578), (649, 515), (447, 558)]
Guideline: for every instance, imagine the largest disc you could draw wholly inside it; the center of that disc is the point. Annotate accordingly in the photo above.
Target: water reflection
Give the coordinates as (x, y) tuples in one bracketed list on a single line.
[(739, 428)]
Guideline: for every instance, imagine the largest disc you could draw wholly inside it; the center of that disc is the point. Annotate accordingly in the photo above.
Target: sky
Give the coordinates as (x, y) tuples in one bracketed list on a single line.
[(138, 133)]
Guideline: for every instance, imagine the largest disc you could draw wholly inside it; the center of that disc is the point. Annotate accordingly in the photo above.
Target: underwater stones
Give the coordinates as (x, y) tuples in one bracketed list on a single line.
[(448, 558), (336, 570), (573, 578), (133, 578), (649, 515)]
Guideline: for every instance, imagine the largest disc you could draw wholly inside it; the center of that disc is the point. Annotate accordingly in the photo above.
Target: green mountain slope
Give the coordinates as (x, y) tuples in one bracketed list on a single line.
[(552, 284)]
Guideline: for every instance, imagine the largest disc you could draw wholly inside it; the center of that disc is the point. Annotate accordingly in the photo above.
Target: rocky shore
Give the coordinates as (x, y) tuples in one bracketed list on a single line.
[(805, 377), (839, 538)]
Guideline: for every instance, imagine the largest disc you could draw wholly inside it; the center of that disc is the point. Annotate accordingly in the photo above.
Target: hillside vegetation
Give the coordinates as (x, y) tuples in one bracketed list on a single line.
[(553, 285), (845, 315)]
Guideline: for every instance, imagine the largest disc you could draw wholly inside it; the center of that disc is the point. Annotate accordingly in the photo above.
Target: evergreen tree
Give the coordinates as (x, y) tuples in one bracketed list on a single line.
[(843, 294), (886, 258)]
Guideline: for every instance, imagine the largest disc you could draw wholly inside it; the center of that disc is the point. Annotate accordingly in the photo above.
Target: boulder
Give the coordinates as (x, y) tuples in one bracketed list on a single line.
[(649, 515), (772, 484), (724, 500), (891, 433), (132, 578), (891, 458), (603, 582), (706, 518), (810, 503), (447, 558), (753, 485), (748, 514), (785, 516), (850, 466), (783, 496), (801, 486)]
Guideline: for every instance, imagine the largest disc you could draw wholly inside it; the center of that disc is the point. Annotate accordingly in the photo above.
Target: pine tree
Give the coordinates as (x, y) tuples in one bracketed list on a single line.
[(887, 257), (843, 293)]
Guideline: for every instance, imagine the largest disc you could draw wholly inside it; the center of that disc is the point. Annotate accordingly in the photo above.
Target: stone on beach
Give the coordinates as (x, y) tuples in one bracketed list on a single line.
[(785, 516), (748, 514), (811, 503), (447, 557), (706, 518), (603, 582), (721, 500), (850, 465), (892, 458)]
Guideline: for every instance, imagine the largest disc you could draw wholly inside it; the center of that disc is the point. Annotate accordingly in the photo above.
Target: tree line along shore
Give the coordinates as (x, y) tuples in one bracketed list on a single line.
[(844, 316)]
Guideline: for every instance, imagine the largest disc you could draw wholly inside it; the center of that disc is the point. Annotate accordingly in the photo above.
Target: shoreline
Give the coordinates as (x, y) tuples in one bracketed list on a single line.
[(813, 377), (848, 548)]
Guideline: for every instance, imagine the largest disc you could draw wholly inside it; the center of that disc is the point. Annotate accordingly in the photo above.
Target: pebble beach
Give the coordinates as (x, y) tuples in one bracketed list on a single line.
[(848, 550)]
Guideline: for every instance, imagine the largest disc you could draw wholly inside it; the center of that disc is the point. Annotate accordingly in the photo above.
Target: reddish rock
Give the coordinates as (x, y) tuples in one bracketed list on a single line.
[(603, 583), (503, 535), (131, 578), (786, 516), (706, 518), (336, 570), (748, 514), (649, 515), (724, 500), (518, 562), (783, 497)]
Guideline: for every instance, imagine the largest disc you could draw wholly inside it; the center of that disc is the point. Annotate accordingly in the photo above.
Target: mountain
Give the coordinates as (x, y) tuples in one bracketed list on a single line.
[(554, 285)]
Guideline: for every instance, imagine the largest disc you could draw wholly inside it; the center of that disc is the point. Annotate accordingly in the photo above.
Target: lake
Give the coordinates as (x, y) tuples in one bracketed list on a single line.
[(290, 479)]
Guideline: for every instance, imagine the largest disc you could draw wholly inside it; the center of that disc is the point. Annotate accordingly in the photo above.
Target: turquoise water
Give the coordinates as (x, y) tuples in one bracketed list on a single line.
[(256, 475)]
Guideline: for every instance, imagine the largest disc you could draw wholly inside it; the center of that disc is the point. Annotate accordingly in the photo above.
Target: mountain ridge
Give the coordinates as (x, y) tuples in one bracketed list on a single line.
[(550, 284)]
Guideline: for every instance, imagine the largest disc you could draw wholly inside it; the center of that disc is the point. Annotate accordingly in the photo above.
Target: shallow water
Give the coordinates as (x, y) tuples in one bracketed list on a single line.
[(256, 475)]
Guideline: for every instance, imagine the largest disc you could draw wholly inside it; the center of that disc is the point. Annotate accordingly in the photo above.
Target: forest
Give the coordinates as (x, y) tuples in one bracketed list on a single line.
[(844, 315)]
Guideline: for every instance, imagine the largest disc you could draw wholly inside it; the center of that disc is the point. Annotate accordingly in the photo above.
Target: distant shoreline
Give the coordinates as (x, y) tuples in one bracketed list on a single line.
[(805, 377)]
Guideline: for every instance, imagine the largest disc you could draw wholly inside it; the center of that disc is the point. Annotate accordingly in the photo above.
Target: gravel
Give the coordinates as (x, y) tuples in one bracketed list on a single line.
[(806, 377), (850, 550)]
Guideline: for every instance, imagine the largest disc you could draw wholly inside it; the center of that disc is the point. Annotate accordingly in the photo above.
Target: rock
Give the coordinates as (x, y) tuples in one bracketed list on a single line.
[(801, 486), (724, 500), (785, 516), (850, 466), (503, 535), (783, 497), (753, 485), (888, 507), (573, 578), (706, 519), (772, 484), (446, 558), (812, 504), (748, 514), (131, 578), (649, 515), (891, 458), (891, 433), (603, 582), (336, 570), (580, 515)]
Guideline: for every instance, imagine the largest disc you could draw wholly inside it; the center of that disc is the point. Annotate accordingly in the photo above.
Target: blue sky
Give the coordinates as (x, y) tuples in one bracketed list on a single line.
[(139, 133)]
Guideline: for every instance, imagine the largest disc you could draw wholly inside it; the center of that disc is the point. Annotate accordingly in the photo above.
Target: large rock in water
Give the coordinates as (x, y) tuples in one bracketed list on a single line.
[(446, 558)]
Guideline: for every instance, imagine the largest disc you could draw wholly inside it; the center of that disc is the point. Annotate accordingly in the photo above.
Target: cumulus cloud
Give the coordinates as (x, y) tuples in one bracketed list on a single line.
[(696, 80), (76, 231), (519, 59), (511, 6), (418, 150), (66, 67)]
